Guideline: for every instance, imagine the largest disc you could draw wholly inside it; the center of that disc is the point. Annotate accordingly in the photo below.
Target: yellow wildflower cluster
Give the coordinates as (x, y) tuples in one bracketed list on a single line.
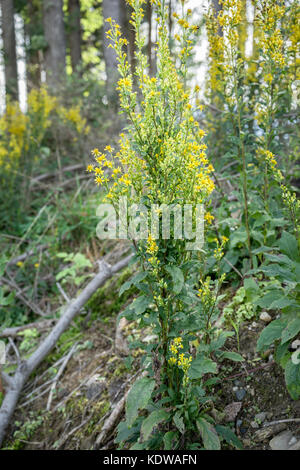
[(268, 17), (182, 360), (73, 115), (208, 217), (22, 133), (289, 198), (162, 156), (13, 136), (152, 249), (218, 251), (205, 292)]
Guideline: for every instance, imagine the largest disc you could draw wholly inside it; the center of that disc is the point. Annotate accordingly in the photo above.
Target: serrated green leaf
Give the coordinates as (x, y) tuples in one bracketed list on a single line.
[(292, 379), (138, 398), (228, 435), (201, 366), (291, 330), (288, 245), (177, 278), (169, 439), (140, 304), (151, 422), (178, 421), (269, 334), (209, 435), (133, 281)]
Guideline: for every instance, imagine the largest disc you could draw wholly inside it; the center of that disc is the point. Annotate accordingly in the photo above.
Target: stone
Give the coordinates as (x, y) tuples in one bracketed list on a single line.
[(281, 441), (231, 411), (240, 394), (295, 446), (265, 317)]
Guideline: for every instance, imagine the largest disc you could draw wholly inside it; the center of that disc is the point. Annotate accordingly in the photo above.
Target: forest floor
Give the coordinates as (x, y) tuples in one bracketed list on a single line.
[(251, 396)]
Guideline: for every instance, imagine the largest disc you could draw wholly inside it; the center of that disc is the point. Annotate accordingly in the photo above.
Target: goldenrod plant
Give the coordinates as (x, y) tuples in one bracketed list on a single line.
[(161, 162), (23, 144)]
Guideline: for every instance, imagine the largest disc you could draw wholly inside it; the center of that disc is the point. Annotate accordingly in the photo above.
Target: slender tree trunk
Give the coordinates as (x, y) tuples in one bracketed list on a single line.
[(111, 9), (55, 54), (9, 49), (74, 33), (32, 27)]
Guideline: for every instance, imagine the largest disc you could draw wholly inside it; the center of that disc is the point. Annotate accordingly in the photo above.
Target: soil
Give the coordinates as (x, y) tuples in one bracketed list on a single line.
[(96, 378)]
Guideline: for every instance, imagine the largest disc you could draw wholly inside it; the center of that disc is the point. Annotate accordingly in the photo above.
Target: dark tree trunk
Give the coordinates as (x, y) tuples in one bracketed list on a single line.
[(33, 28), (55, 54), (112, 9), (74, 33), (9, 49)]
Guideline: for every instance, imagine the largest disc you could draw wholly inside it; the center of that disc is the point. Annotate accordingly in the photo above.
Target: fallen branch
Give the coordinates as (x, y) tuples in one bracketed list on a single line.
[(39, 325), (16, 383), (27, 254), (45, 176)]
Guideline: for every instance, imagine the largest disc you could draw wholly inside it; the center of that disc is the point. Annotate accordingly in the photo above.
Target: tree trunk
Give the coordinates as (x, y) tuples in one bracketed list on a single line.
[(33, 28), (55, 54), (9, 49), (74, 33), (112, 9)]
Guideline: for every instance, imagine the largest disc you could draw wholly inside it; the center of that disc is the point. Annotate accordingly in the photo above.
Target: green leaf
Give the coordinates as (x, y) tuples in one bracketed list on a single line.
[(177, 278), (140, 304), (209, 435), (292, 329), (274, 299), (292, 379), (178, 421), (269, 334), (288, 245), (125, 433), (133, 281), (138, 398), (151, 422), (233, 356), (201, 366), (138, 446), (169, 439), (228, 435)]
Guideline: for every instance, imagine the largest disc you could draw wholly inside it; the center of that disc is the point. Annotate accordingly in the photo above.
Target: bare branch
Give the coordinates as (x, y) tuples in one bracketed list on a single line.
[(25, 368)]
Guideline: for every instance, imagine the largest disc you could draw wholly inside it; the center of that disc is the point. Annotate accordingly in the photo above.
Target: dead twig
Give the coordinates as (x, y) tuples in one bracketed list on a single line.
[(20, 294), (27, 254), (27, 367), (39, 325), (59, 374), (290, 420)]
